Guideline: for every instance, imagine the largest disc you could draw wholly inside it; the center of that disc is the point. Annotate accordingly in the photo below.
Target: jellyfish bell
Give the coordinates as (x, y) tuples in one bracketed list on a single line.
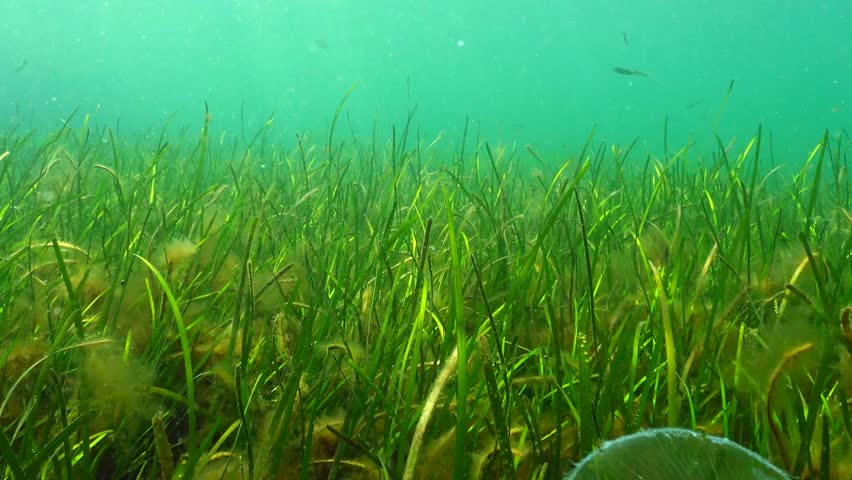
[(674, 453)]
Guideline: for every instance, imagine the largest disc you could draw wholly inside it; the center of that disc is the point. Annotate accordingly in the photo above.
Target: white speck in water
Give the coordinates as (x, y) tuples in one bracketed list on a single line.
[(460, 43)]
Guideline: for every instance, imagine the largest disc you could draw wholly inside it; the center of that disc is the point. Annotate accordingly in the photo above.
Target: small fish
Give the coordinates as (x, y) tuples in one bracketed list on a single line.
[(624, 37), (22, 66), (628, 71)]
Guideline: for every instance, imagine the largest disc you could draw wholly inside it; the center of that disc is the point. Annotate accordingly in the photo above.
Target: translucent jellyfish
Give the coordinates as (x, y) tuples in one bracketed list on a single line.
[(674, 454)]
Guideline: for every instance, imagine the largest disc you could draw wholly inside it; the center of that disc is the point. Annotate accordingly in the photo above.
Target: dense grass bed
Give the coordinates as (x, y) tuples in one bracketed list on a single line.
[(231, 307)]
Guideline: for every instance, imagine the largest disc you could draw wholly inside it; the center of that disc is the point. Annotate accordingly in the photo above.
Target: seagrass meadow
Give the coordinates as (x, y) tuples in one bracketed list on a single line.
[(206, 306)]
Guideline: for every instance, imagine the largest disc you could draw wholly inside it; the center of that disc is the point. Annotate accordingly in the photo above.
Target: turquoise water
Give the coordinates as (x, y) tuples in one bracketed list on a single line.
[(533, 72)]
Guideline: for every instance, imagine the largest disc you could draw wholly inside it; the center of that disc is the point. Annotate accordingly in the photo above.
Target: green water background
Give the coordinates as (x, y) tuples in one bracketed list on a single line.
[(525, 72)]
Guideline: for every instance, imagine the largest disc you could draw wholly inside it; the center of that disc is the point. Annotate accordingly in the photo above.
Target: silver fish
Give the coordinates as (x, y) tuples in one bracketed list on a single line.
[(628, 71)]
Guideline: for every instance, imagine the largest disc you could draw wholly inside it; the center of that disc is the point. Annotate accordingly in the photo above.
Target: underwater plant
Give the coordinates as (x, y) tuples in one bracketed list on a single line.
[(674, 453), (300, 321)]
